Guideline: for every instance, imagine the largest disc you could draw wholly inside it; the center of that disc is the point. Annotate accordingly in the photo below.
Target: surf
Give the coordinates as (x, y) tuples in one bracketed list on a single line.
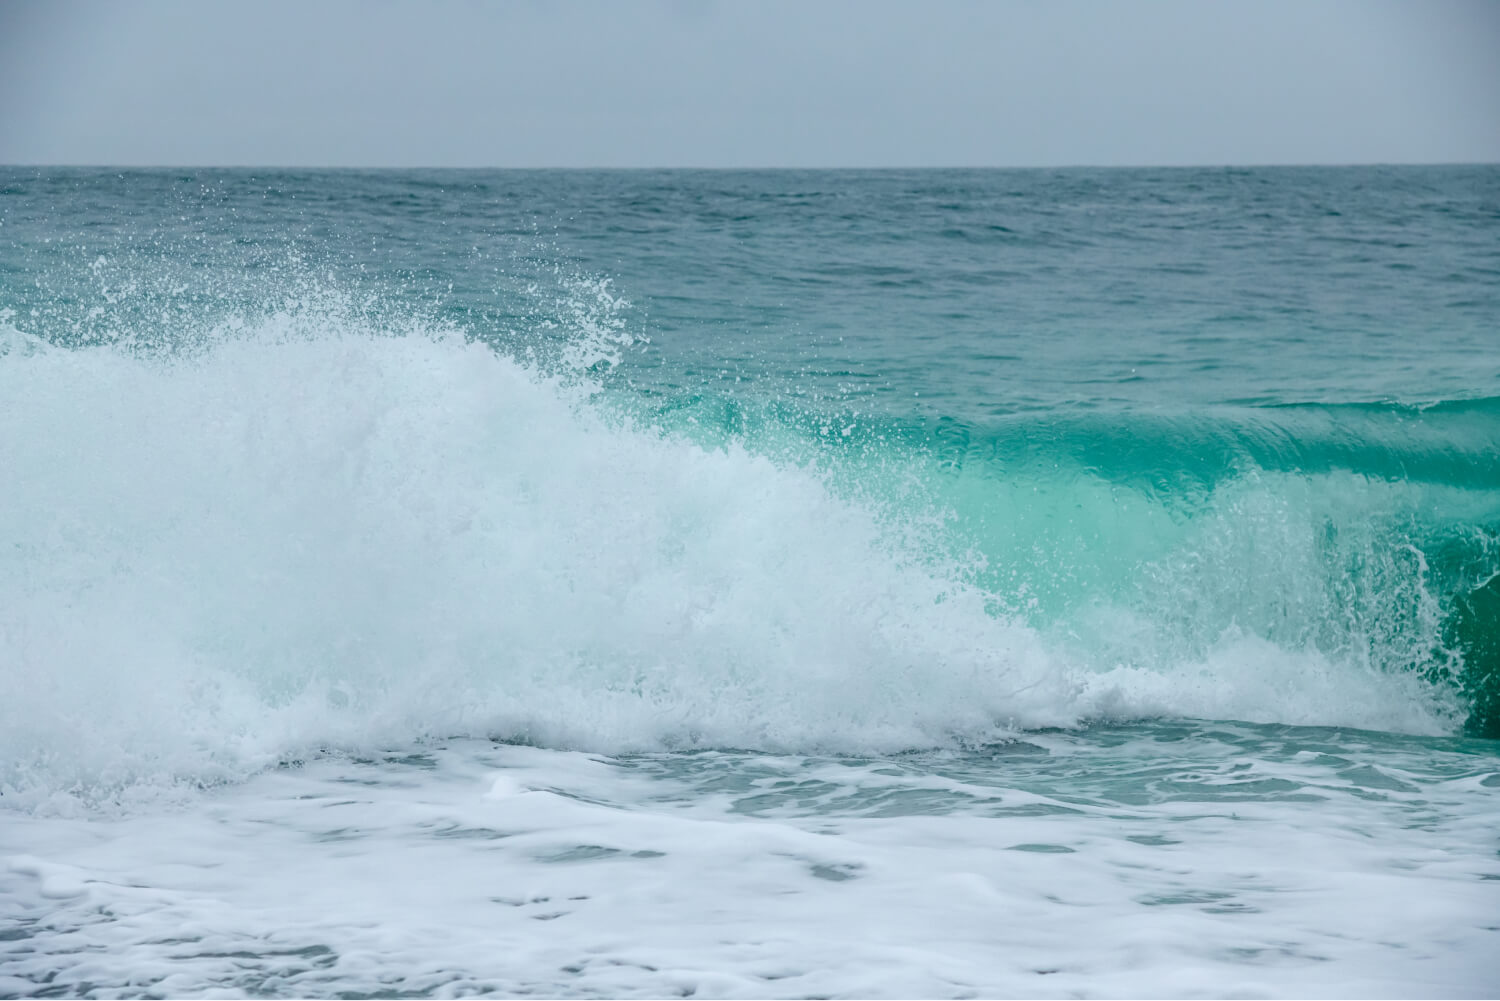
[(312, 529)]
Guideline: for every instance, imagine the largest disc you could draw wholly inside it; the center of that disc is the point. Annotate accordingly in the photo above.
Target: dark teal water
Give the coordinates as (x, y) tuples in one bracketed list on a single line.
[(966, 294)]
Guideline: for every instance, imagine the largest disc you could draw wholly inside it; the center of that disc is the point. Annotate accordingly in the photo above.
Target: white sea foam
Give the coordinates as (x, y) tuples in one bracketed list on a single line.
[(505, 871)]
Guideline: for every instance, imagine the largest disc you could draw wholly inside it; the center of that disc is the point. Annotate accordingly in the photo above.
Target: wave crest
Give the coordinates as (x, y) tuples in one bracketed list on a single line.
[(314, 531)]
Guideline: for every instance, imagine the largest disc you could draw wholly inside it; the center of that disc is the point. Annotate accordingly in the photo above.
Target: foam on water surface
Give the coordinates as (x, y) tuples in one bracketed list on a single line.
[(1183, 860)]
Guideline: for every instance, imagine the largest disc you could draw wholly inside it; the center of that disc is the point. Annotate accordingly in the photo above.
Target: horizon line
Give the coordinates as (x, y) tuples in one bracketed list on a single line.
[(40, 165)]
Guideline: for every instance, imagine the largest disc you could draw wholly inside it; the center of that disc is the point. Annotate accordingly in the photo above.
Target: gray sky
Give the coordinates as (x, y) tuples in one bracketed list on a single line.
[(764, 83)]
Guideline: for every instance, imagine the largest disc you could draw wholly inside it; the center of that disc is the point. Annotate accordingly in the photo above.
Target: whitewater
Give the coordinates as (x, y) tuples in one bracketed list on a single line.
[(790, 584)]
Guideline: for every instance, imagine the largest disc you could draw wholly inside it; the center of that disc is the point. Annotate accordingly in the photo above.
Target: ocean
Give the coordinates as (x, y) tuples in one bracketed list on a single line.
[(952, 583)]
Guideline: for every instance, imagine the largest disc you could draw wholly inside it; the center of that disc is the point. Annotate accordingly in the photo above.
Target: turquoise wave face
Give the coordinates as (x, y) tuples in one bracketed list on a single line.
[(1369, 531)]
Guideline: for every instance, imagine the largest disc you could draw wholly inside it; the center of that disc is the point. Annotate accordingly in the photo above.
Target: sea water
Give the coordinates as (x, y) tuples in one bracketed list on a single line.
[(792, 584)]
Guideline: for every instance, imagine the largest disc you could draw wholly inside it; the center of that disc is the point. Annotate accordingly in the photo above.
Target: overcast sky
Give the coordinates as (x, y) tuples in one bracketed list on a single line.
[(762, 83)]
